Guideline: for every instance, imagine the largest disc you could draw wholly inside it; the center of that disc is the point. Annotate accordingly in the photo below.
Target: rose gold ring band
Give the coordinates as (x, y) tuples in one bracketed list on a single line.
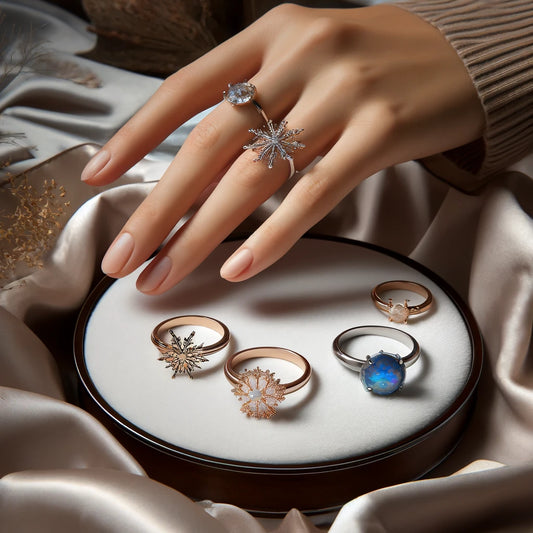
[(274, 353), (191, 320), (400, 312)]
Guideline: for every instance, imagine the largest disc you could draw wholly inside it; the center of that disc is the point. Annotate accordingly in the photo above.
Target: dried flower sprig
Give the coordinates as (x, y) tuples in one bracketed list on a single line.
[(29, 230), (18, 52)]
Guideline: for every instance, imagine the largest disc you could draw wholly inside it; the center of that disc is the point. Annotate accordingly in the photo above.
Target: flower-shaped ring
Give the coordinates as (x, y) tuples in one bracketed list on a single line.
[(258, 390), (181, 354)]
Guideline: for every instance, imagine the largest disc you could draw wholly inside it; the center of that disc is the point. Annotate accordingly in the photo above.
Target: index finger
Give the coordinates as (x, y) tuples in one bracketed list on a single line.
[(182, 95)]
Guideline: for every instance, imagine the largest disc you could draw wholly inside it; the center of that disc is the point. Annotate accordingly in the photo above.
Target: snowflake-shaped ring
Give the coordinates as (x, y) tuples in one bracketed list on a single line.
[(182, 355), (258, 390), (275, 141)]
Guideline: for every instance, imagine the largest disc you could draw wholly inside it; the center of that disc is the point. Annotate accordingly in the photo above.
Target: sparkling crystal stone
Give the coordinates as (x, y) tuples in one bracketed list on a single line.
[(399, 313), (240, 93), (383, 373), (254, 394)]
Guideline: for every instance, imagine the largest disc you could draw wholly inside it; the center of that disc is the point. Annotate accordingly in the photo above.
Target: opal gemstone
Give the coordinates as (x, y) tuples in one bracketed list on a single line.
[(383, 373), (255, 394), (399, 313)]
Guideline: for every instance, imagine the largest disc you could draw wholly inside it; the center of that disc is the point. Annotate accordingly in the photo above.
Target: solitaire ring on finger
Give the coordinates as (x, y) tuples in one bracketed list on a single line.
[(243, 93)]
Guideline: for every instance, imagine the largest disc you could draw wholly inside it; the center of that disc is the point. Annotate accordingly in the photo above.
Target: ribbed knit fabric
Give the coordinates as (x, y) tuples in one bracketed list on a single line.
[(494, 38)]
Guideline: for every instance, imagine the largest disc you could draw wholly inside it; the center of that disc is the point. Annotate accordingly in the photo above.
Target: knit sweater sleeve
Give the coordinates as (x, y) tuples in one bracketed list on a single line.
[(494, 39)]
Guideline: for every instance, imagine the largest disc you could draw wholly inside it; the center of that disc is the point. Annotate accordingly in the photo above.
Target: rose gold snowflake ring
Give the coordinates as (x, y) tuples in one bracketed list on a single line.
[(181, 354), (259, 391), (272, 141), (400, 312)]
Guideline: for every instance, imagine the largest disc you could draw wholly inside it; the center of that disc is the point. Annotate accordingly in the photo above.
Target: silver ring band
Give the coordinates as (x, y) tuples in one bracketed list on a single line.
[(354, 363)]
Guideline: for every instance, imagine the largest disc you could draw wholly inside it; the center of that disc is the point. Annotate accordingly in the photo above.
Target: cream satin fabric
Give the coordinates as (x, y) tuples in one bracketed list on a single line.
[(61, 471)]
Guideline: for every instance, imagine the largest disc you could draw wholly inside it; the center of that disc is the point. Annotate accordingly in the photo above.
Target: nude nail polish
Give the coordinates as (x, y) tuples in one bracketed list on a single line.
[(237, 264), (95, 165), (118, 254), (155, 275)]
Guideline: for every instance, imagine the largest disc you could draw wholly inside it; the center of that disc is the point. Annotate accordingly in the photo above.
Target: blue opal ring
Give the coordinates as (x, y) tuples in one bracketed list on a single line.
[(382, 373)]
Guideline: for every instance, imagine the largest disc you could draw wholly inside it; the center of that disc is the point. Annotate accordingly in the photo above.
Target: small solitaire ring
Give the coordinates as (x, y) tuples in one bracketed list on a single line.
[(272, 141), (258, 389), (382, 373), (243, 93), (181, 354), (400, 312)]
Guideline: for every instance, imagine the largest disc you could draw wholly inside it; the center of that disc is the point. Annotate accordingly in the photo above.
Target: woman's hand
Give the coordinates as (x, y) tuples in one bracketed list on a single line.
[(371, 87)]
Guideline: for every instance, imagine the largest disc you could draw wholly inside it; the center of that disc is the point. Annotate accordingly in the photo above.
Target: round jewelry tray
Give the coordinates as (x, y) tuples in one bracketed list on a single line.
[(329, 444)]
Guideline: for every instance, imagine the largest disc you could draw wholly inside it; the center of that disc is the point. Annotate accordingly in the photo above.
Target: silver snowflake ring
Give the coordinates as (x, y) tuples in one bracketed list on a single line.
[(258, 390), (400, 312), (182, 355), (274, 139), (382, 373)]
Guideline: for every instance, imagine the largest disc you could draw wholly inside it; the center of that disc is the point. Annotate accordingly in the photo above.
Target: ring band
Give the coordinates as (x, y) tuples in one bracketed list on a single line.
[(274, 140), (182, 355), (400, 312), (259, 391), (382, 373)]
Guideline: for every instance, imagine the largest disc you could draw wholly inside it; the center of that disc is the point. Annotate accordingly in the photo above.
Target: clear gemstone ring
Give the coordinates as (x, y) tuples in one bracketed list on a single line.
[(382, 373), (396, 311), (243, 93), (182, 355), (258, 390), (274, 139)]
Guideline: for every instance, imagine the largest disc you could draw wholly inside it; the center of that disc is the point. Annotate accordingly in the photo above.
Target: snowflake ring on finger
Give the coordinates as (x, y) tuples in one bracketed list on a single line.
[(258, 390), (182, 355), (272, 141)]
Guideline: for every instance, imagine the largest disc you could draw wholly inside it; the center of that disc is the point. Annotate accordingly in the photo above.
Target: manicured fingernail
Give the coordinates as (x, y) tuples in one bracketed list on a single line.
[(155, 276), (237, 264), (95, 165), (118, 254)]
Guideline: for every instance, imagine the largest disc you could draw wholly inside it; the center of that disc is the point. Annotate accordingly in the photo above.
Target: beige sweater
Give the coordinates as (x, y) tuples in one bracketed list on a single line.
[(494, 38)]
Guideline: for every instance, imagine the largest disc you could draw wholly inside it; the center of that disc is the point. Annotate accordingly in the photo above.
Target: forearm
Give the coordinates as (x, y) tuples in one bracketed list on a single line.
[(494, 39)]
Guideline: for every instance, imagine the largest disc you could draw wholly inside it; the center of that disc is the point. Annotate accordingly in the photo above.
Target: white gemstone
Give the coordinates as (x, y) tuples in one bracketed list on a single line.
[(399, 313), (255, 395), (240, 93)]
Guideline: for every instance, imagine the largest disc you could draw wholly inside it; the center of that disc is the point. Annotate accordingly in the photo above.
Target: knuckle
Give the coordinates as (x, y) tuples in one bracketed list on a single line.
[(148, 210), (325, 32), (283, 12), (387, 116), (175, 81), (249, 175), (313, 192), (204, 136), (354, 80)]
